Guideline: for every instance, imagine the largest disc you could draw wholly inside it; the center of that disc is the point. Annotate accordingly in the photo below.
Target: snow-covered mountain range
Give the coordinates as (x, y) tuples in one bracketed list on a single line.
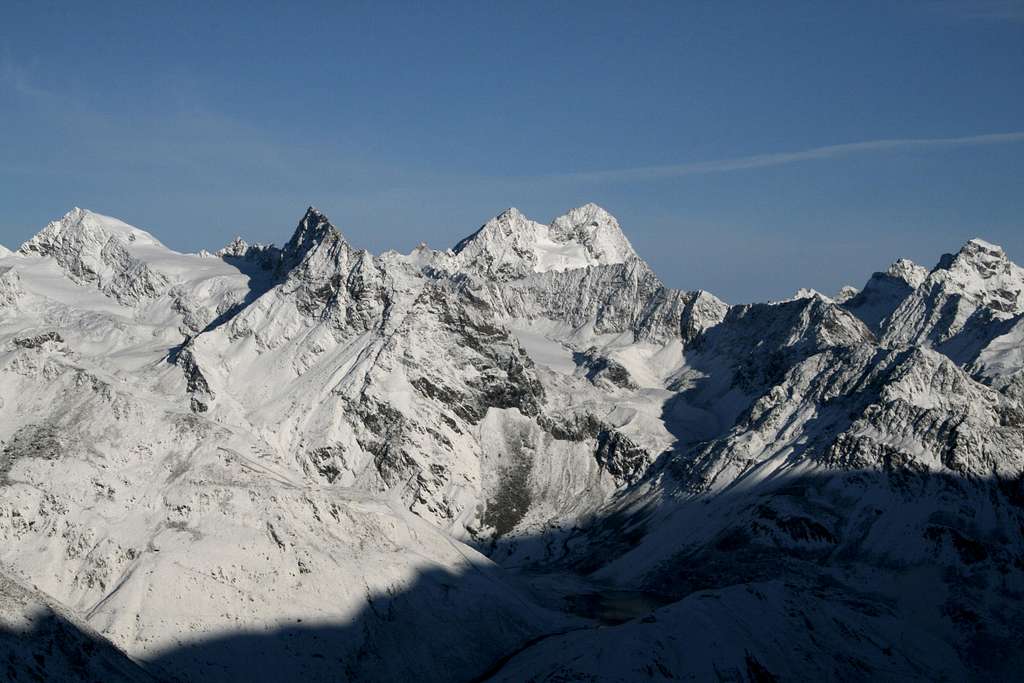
[(521, 458)]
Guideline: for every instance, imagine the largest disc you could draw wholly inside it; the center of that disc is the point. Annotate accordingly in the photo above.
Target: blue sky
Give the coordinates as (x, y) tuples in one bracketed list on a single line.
[(725, 136)]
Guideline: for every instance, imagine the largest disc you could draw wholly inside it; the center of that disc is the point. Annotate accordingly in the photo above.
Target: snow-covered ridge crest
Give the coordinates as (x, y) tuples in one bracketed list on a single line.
[(311, 433), (908, 271), (982, 272), (807, 293), (963, 291), (510, 245), (884, 292)]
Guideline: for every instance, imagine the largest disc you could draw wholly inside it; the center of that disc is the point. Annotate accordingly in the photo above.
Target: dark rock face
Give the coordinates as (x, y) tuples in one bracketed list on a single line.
[(42, 441), (196, 381), (880, 297), (574, 427), (326, 462), (615, 452), (504, 375), (625, 460), (196, 385), (513, 496), (312, 233), (762, 341), (38, 341), (603, 369)]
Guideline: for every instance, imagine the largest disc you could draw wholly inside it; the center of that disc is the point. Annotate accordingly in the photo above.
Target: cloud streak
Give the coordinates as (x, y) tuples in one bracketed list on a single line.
[(783, 158)]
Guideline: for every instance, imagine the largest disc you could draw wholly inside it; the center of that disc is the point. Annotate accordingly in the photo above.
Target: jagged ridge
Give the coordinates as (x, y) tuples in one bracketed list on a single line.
[(259, 427)]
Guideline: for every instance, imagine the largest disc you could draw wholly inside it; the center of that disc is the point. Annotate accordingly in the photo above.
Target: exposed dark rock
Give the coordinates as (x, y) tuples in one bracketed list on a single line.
[(38, 341)]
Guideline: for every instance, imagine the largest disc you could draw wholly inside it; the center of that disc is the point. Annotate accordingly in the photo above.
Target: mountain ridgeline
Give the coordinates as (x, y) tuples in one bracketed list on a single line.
[(521, 458)]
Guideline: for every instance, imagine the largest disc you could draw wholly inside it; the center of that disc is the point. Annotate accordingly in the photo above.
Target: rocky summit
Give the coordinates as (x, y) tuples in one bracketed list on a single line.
[(521, 458)]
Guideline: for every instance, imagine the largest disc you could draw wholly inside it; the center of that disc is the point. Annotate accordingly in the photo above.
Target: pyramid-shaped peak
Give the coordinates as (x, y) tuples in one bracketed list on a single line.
[(512, 220), (79, 218), (510, 214), (314, 223), (511, 223), (510, 229), (79, 228), (315, 215), (588, 213), (314, 230)]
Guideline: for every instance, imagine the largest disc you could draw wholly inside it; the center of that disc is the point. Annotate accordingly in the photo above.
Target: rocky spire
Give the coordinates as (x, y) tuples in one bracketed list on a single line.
[(313, 232)]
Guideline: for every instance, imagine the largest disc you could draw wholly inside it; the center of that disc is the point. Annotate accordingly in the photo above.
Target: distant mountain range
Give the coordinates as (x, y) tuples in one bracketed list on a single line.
[(521, 458)]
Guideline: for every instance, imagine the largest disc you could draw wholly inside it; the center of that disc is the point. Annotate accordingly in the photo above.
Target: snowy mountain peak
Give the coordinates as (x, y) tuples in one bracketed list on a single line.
[(314, 226), (511, 246), (511, 216), (951, 308), (982, 272), (236, 247), (503, 228), (4, 251), (595, 229), (504, 247), (98, 250), (80, 227), (807, 293), (978, 243), (313, 231), (979, 256), (845, 293), (908, 271)]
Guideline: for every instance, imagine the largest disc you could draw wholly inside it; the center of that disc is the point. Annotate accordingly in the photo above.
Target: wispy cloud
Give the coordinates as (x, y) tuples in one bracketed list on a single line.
[(782, 158)]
